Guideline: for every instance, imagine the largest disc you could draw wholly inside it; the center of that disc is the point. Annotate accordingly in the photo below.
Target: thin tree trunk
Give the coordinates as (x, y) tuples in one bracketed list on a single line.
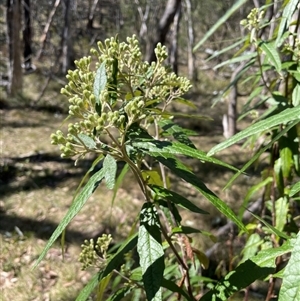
[(229, 120), (174, 42), (46, 29), (13, 18), (27, 37), (91, 15), (163, 27), (191, 57), (66, 35)]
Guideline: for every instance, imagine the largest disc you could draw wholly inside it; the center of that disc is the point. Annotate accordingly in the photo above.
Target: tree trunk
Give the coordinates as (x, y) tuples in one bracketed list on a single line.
[(163, 27), (92, 9), (191, 57), (46, 29), (229, 120), (27, 37), (174, 42), (13, 18), (66, 38)]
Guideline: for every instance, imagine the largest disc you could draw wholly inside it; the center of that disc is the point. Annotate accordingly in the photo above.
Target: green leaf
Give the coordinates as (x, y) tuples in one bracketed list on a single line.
[(285, 20), (151, 252), (272, 55), (295, 189), (179, 133), (271, 228), (251, 247), (262, 150), (281, 209), (120, 293), (223, 50), (185, 230), (119, 182), (255, 268), (171, 286), (182, 171), (100, 82), (76, 206), (250, 193), (296, 96), (165, 148), (87, 141), (110, 170), (176, 198), (290, 288), (220, 22), (88, 289), (246, 57), (285, 116)]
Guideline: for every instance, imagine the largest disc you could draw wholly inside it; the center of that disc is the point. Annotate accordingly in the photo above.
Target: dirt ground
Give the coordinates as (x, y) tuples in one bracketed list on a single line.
[(36, 191)]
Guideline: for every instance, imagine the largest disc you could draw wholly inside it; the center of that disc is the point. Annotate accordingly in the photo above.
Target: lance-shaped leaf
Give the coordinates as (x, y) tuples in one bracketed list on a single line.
[(290, 289), (178, 168), (110, 170), (272, 55), (76, 206), (177, 199), (151, 252), (285, 116), (165, 148), (100, 82)]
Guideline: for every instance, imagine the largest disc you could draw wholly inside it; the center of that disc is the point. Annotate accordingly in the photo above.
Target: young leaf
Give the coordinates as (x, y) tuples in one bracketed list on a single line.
[(88, 289), (272, 55), (290, 289), (176, 198), (100, 82), (285, 20), (285, 116), (86, 140), (110, 170), (76, 206), (151, 252), (295, 189)]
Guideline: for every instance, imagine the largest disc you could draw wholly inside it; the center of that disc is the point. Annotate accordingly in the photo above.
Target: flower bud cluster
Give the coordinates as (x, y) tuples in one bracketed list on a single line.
[(95, 254), (253, 20), (132, 88)]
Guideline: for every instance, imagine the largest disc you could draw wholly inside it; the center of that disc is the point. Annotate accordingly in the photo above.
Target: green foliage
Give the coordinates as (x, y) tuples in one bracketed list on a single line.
[(120, 113)]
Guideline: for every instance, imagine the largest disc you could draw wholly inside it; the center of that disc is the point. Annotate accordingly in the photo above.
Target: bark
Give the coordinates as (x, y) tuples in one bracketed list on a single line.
[(174, 42), (229, 120), (66, 37), (91, 15), (163, 27), (14, 46), (27, 37), (190, 44)]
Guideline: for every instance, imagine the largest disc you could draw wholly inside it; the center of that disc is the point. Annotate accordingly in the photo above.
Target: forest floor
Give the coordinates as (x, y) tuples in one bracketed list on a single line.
[(37, 188)]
